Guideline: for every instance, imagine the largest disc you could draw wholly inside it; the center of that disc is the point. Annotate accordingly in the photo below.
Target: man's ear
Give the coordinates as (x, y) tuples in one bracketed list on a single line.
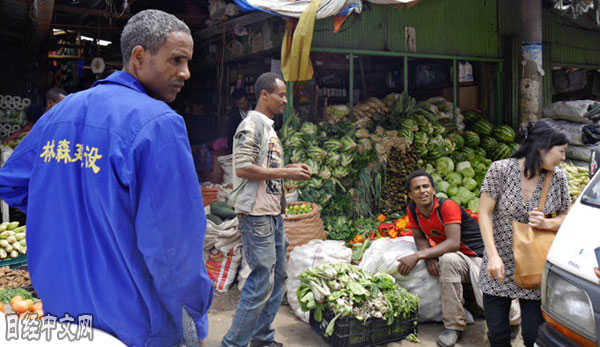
[(138, 54), (409, 194)]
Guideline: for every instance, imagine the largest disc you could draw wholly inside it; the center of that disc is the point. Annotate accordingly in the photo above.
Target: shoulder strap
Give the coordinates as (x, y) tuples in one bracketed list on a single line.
[(439, 210), (412, 207), (545, 188)]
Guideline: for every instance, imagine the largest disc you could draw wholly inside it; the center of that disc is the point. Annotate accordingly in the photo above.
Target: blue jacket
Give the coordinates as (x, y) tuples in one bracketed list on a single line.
[(115, 220)]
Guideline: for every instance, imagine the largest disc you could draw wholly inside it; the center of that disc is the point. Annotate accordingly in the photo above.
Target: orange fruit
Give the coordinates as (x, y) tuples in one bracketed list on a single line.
[(37, 306), (20, 306), (1, 307), (29, 303), (15, 298), (39, 313)]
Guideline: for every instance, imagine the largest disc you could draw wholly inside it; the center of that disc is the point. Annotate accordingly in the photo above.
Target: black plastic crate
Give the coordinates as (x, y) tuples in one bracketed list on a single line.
[(350, 332)]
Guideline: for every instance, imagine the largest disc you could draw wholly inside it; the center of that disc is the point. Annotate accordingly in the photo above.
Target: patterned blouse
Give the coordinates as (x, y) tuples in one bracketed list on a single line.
[(503, 183)]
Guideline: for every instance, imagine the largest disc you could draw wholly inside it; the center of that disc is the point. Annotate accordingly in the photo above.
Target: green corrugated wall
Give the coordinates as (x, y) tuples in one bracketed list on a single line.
[(447, 27)]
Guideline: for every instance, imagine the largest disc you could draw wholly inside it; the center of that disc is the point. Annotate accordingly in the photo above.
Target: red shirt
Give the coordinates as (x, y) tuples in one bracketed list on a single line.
[(433, 226)]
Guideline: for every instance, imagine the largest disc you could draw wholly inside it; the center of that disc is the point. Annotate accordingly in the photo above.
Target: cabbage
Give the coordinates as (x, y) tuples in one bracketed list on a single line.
[(454, 178), (444, 165), (468, 172), (465, 195), (477, 192), (462, 165), (452, 190), (436, 178), (469, 183), (442, 186), (441, 195), (429, 169), (473, 205)]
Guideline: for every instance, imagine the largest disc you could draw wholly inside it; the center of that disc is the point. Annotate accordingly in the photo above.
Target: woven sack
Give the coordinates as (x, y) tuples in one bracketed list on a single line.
[(300, 229)]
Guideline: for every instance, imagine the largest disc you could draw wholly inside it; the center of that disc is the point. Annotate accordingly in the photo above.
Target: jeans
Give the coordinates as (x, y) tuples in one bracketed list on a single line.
[(265, 244), (496, 315)]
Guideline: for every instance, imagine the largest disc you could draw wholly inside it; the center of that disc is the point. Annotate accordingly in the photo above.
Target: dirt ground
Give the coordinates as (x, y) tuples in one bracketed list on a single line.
[(294, 332)]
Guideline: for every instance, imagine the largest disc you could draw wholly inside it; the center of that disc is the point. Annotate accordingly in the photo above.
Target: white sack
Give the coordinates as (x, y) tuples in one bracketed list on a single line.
[(573, 111), (309, 256), (381, 257)]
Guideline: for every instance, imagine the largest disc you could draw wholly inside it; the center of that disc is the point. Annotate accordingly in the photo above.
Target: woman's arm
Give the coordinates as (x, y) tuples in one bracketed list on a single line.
[(537, 220), (495, 267)]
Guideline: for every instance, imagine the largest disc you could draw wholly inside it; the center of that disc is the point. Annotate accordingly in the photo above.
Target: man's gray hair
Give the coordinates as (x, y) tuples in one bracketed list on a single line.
[(149, 29)]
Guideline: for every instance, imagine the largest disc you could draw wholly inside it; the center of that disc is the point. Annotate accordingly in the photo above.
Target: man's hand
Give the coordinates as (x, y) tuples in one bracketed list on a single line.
[(302, 166), (495, 268), (406, 264), (432, 267), (298, 173)]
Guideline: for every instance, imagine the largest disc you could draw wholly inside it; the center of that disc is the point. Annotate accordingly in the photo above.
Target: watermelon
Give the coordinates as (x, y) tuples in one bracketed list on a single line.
[(500, 151), (472, 117), (488, 143), (483, 128), (471, 139), (449, 125), (458, 140), (480, 152), (468, 152), (513, 147), (458, 156), (504, 133)]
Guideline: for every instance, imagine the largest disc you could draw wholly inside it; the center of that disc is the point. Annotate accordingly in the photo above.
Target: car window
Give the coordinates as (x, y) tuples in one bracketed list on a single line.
[(591, 195)]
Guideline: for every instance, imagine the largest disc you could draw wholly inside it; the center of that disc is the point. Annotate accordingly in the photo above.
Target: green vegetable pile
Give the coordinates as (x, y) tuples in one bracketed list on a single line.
[(9, 293), (348, 291), (577, 177)]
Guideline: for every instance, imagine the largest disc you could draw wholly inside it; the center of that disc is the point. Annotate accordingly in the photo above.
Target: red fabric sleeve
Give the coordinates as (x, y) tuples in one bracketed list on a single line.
[(412, 223), (451, 212)]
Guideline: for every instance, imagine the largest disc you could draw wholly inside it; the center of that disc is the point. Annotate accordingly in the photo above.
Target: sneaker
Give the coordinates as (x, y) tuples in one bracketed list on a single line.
[(514, 331), (448, 338), (266, 344)]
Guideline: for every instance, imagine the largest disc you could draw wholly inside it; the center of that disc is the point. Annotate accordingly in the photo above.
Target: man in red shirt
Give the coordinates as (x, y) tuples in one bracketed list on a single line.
[(456, 257)]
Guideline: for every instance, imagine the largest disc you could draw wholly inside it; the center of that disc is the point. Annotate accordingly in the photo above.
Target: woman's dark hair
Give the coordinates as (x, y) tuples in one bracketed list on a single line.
[(540, 135), (416, 174)]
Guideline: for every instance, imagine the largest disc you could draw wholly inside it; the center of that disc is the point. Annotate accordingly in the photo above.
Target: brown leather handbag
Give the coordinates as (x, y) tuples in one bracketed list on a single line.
[(530, 247)]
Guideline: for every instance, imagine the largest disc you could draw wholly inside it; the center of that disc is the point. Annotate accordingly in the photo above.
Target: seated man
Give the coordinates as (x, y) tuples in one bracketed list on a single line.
[(455, 259)]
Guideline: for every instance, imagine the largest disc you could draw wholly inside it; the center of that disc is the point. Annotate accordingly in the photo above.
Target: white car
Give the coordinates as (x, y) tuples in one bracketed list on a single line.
[(570, 288)]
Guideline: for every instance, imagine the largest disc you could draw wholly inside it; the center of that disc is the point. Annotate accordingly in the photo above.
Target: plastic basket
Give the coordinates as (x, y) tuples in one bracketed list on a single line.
[(350, 332), (14, 262)]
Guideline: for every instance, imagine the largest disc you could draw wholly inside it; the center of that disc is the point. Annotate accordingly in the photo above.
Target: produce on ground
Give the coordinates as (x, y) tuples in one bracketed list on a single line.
[(577, 178), (13, 278), (395, 195), (27, 308), (12, 240), (7, 294), (348, 291), (220, 212)]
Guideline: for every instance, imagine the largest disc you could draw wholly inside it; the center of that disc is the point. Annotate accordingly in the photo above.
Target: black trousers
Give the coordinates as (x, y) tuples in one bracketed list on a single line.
[(496, 315)]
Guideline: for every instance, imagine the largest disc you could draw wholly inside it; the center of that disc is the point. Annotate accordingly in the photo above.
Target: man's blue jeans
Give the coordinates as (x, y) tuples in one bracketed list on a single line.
[(265, 245)]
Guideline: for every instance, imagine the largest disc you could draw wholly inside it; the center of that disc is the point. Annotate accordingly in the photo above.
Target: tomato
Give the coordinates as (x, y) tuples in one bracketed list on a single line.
[(20, 306), (39, 313), (15, 298), (1, 307)]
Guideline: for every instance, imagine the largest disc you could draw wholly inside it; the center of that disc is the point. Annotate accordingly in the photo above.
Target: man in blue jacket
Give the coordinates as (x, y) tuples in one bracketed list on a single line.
[(116, 223)]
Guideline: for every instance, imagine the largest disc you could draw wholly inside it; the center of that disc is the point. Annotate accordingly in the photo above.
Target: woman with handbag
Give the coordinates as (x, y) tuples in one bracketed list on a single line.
[(512, 191)]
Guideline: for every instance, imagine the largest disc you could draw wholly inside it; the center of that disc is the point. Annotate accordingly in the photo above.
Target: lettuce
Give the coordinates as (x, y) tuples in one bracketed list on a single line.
[(436, 178), (429, 169), (469, 183), (444, 165), (473, 205), (442, 186), (441, 195), (465, 195), (454, 178), (452, 190)]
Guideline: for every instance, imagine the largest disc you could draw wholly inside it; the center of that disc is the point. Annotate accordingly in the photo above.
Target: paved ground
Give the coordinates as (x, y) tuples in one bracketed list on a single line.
[(293, 332)]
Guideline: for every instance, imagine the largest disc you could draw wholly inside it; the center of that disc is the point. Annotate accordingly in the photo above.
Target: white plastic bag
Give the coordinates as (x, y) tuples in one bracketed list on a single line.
[(309, 256), (226, 162), (573, 111), (381, 257)]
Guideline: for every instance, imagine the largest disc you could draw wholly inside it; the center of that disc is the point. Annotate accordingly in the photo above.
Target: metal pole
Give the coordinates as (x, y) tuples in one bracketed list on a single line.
[(400, 54), (289, 94), (530, 84), (351, 83)]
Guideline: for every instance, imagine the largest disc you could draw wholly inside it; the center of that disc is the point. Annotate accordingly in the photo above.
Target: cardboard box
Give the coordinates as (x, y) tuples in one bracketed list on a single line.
[(468, 97)]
